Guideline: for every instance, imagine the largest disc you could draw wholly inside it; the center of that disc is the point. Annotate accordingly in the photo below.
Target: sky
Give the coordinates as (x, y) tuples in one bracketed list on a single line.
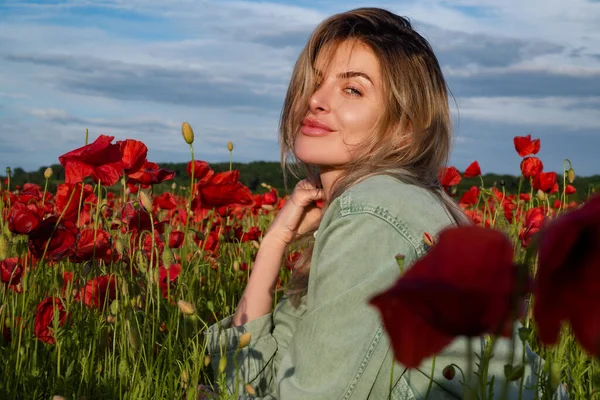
[(139, 68)]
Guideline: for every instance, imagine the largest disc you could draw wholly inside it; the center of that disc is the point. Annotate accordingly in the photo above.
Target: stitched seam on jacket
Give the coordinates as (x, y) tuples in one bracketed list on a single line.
[(364, 363), (385, 215)]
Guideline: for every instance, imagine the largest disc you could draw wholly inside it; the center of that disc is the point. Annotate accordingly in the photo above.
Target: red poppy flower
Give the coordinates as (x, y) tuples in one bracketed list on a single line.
[(470, 197), (150, 174), (209, 243), (463, 286), (90, 245), (96, 291), (534, 219), (525, 146), (525, 196), (166, 201), (270, 198), (223, 189), (474, 216), (30, 192), (202, 171), (176, 239), (531, 167), (23, 218), (70, 208), (568, 277), (133, 154), (472, 170), (449, 176), (100, 159), (570, 189), (167, 278), (57, 240), (43, 323), (11, 271), (546, 182)]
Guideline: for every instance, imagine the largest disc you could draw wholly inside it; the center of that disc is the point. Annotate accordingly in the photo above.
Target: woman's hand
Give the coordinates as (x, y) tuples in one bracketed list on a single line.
[(299, 214)]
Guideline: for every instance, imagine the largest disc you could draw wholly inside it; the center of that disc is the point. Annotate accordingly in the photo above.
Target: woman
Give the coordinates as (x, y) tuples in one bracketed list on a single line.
[(367, 108)]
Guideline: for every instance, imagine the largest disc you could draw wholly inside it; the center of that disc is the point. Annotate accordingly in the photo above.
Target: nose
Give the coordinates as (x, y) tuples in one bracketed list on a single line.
[(319, 101)]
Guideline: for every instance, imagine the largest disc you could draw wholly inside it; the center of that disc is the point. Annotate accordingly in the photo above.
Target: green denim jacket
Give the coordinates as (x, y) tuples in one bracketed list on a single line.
[(333, 346)]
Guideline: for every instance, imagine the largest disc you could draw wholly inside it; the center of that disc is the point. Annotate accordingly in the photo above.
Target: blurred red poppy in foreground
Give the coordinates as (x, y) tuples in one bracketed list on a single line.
[(43, 324), (100, 159), (568, 277), (464, 286)]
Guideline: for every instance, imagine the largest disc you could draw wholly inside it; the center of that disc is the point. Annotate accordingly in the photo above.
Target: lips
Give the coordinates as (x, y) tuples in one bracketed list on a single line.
[(312, 127)]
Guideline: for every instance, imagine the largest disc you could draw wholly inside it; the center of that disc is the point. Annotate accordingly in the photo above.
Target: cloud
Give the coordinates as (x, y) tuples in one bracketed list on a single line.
[(137, 68)]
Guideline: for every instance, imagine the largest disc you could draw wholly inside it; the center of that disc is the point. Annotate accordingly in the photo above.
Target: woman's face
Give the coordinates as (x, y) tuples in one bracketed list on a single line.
[(344, 108)]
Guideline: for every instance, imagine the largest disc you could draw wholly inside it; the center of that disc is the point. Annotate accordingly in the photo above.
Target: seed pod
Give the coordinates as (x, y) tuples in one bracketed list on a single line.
[(48, 173), (244, 340), (187, 132), (230, 146)]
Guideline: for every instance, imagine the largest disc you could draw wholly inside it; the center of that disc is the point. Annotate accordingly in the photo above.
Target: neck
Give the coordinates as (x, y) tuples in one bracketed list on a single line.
[(328, 178)]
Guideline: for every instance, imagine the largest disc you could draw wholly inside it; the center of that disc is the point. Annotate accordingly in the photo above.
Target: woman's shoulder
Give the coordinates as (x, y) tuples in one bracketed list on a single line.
[(411, 209)]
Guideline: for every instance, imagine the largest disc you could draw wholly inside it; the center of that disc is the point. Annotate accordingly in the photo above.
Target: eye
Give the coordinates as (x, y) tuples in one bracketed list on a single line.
[(352, 91)]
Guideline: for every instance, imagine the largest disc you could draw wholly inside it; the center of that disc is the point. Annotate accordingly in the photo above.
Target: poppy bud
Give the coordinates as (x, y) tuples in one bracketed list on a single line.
[(111, 319), (206, 360), (145, 200), (400, 261), (541, 195), (3, 248), (428, 239), (187, 132), (167, 258), (236, 266), (114, 307), (119, 246), (244, 340), (571, 175), (123, 368), (173, 186), (222, 365), (249, 389), (449, 372), (184, 379), (230, 146), (48, 173), (512, 374), (186, 307)]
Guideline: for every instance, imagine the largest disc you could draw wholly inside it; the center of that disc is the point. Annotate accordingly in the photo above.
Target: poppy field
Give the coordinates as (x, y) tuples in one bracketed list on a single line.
[(107, 285)]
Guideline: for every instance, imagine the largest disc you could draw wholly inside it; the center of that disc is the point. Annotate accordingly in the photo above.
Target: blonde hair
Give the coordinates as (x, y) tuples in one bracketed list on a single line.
[(415, 128)]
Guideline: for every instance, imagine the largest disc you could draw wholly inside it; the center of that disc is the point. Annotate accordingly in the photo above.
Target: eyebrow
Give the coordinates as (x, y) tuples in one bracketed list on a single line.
[(349, 74)]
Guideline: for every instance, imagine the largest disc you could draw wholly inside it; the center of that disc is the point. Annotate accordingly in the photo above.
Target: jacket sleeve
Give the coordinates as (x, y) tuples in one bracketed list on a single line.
[(257, 363), (338, 347)]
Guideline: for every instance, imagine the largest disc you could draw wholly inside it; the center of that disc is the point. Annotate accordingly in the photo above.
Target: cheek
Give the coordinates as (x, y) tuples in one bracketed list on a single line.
[(357, 122)]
